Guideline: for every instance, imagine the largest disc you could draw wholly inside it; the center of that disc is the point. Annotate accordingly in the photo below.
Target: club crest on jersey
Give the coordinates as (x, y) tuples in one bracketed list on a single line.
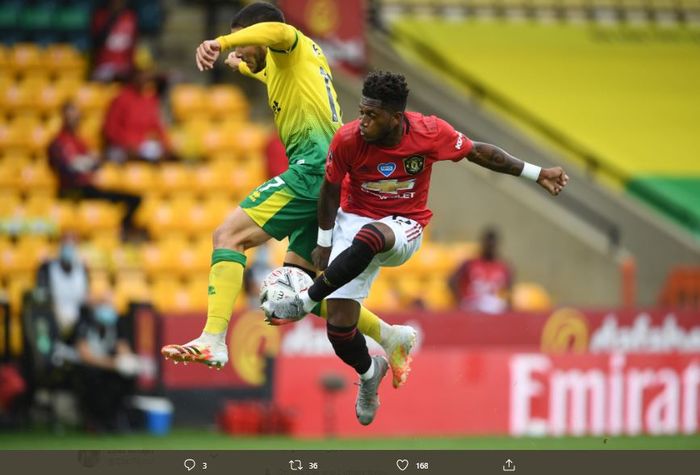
[(414, 164), (386, 169)]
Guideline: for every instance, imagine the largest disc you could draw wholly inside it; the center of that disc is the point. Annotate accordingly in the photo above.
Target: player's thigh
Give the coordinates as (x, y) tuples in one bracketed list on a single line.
[(239, 232), (279, 210), (302, 241), (282, 212), (408, 236)]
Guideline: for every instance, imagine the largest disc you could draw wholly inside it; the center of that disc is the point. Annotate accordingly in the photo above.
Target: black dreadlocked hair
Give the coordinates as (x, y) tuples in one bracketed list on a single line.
[(257, 12), (390, 88)]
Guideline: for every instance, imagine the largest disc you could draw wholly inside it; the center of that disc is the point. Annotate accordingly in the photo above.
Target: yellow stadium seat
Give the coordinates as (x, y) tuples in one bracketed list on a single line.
[(198, 295), (27, 94), (162, 257), (243, 176), (530, 297), (126, 257), (185, 143), (22, 257), (106, 241), (130, 286), (10, 200), (226, 102), (64, 215), (172, 178), (37, 209), (187, 100), (53, 122), (215, 179), (382, 296), (37, 176), (250, 139), (216, 140), (171, 296), (205, 216), (93, 97), (90, 129), (26, 57), (411, 289), (153, 259), (437, 294), (64, 58), (137, 177), (68, 84), (109, 176), (167, 217), (100, 283), (96, 215)]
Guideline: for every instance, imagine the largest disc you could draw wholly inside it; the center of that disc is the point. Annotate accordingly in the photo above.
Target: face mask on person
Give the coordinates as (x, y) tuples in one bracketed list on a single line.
[(68, 253), (105, 314)]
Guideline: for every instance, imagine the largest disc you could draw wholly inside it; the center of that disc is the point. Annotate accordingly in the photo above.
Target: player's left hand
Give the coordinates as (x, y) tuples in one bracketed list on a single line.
[(320, 257), (553, 180), (207, 54)]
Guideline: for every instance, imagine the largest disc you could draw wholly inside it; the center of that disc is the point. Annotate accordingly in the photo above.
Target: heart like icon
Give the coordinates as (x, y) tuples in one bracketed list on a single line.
[(402, 464)]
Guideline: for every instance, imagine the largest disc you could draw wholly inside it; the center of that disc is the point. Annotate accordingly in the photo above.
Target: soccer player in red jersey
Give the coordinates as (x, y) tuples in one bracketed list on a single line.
[(373, 209)]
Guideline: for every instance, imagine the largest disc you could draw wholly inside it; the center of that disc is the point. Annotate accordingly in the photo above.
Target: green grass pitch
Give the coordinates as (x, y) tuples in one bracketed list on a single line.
[(210, 440)]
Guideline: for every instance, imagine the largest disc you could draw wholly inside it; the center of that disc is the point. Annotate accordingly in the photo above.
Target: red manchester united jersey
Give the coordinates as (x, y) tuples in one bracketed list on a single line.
[(385, 181)]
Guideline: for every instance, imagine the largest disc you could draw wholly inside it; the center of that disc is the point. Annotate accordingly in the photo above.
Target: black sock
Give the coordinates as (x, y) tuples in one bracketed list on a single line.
[(350, 346), (350, 263)]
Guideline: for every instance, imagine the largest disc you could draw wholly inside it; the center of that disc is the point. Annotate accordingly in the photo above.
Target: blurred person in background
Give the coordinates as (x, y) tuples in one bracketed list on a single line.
[(133, 128), (483, 284), (306, 114), (105, 375), (66, 279), (76, 165), (114, 32), (372, 210), (276, 161), (254, 276)]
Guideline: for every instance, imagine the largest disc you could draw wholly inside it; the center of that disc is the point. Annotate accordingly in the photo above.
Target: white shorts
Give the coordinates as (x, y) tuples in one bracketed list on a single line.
[(409, 235)]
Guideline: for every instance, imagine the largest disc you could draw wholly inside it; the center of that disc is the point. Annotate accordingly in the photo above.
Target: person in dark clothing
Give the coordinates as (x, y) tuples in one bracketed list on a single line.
[(75, 166), (105, 376)]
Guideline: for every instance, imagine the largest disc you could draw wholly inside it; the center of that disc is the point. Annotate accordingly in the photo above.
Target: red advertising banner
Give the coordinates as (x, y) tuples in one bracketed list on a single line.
[(460, 392), (563, 330), (336, 25), (249, 340)]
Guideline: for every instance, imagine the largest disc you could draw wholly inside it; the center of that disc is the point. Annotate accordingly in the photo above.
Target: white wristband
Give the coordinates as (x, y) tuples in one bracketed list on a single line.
[(325, 237), (530, 171)]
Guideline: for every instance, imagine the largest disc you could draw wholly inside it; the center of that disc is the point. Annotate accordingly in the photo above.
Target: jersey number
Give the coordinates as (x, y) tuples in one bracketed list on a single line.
[(274, 183), (327, 80)]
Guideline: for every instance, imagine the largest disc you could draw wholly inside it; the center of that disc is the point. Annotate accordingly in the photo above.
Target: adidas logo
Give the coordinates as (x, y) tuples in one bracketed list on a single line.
[(212, 290)]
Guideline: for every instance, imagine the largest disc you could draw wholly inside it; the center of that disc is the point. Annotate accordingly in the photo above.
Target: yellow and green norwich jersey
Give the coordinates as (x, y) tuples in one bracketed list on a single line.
[(299, 88)]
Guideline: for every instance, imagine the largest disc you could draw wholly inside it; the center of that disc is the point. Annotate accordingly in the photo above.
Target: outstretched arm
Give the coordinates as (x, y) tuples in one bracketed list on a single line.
[(494, 158), (278, 36), (328, 204)]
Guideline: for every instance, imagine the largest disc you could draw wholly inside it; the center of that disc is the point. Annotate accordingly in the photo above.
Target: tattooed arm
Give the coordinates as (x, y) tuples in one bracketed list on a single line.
[(494, 158)]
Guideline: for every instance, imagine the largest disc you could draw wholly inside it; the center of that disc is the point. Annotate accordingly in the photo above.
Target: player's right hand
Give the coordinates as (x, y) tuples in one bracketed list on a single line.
[(233, 61), (320, 257), (207, 54)]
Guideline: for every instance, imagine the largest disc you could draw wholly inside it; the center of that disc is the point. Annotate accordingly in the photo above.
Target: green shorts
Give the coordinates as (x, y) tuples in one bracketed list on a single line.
[(286, 206)]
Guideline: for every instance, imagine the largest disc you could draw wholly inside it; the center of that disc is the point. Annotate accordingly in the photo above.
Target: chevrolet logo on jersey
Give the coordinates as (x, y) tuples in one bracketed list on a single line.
[(389, 186)]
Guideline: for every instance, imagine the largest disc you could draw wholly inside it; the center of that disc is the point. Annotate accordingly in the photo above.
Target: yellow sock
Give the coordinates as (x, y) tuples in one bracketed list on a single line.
[(225, 282), (369, 323)]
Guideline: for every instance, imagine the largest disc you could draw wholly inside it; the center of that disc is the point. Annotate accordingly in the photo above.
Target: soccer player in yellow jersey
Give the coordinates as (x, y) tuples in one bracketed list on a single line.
[(306, 113)]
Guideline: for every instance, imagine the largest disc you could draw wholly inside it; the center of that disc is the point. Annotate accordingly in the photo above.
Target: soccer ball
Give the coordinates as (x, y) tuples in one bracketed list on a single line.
[(281, 284)]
